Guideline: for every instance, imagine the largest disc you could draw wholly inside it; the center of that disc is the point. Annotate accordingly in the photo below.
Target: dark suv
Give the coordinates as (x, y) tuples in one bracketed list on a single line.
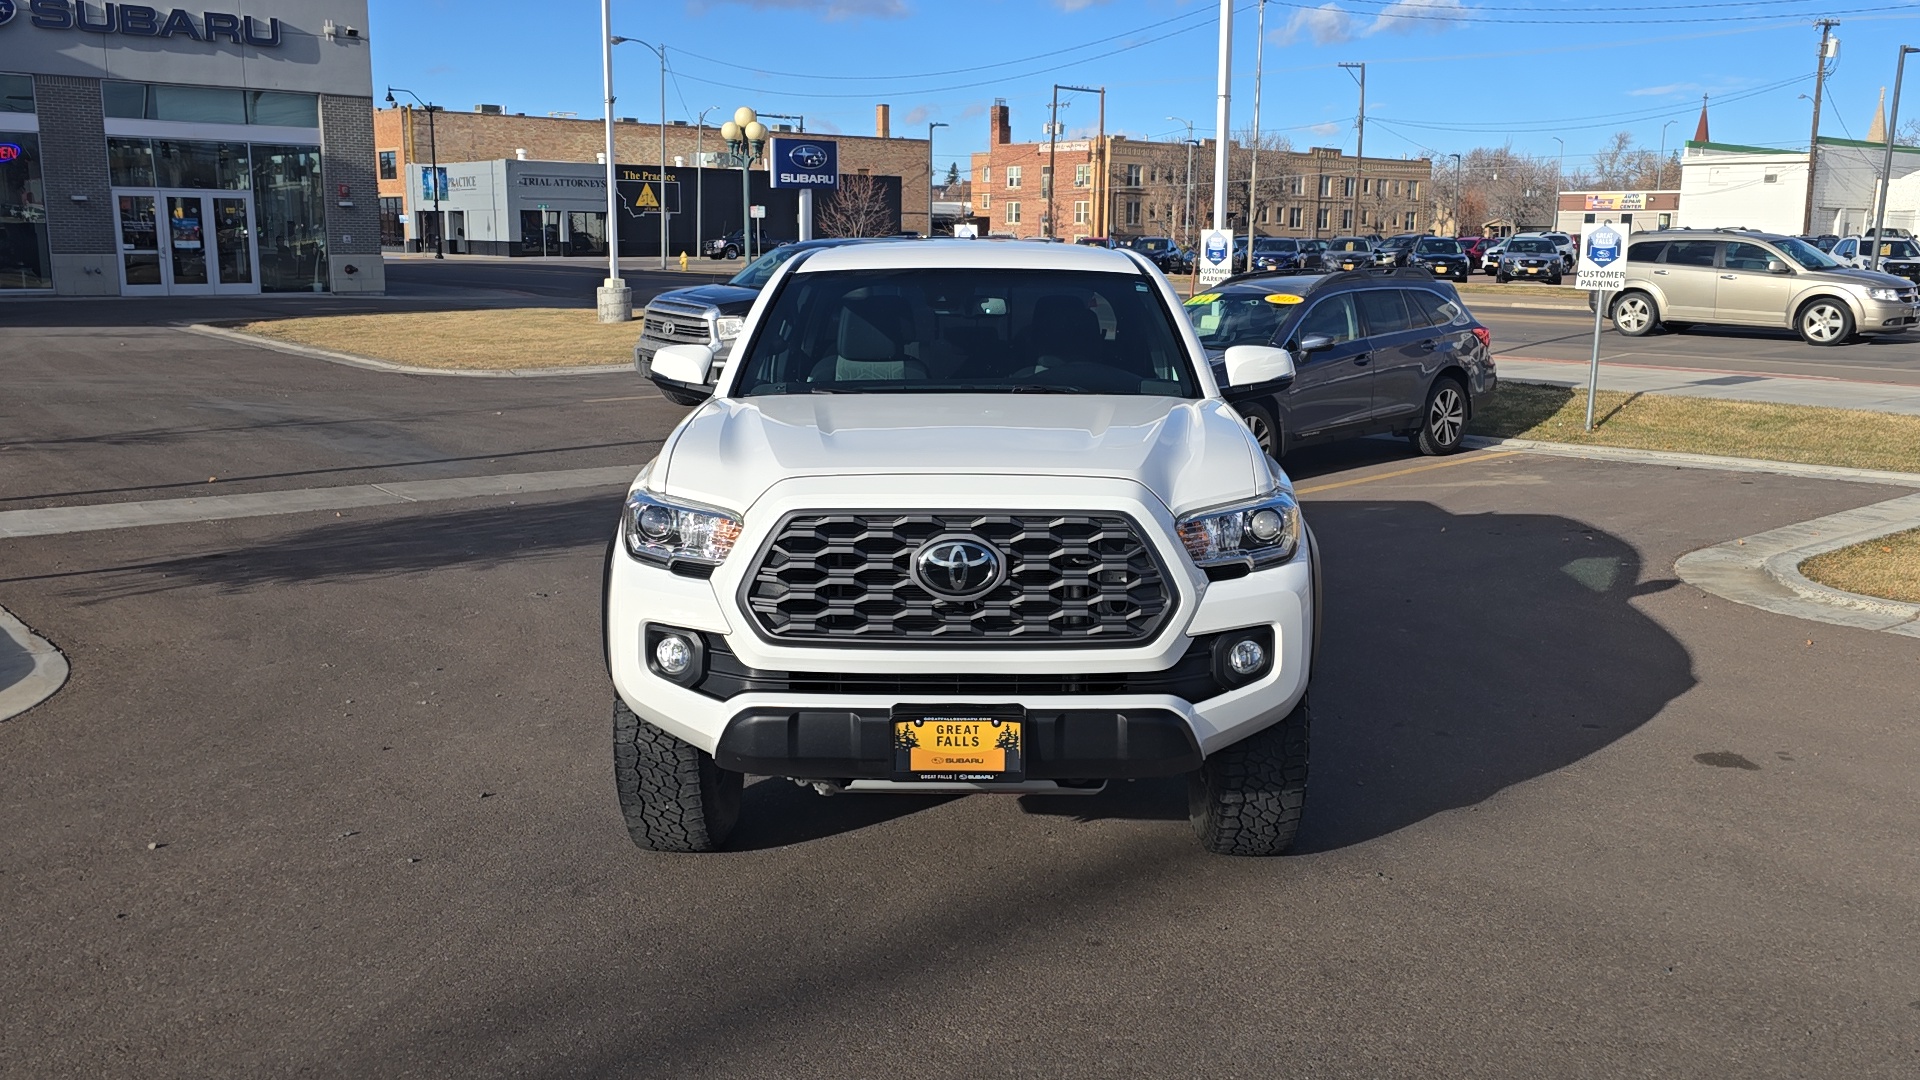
[(1163, 253), (1378, 350)]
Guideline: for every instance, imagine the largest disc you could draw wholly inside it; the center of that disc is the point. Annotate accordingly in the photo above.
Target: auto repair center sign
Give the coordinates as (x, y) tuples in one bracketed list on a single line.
[(803, 163)]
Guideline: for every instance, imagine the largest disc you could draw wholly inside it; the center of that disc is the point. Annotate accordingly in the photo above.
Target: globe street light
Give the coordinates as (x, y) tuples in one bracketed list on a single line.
[(746, 139), (699, 168), (433, 152), (661, 52)]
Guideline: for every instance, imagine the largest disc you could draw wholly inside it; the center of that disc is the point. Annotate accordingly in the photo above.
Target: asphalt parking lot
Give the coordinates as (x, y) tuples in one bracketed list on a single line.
[(329, 793)]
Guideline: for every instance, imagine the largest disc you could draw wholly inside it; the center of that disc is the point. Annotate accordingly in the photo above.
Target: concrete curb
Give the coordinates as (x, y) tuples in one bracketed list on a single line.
[(1698, 461), (352, 360), (46, 674), (1763, 570)]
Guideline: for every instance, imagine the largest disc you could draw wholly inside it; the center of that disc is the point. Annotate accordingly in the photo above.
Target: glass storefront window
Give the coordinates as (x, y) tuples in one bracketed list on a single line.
[(24, 261), (283, 110), (16, 93), (185, 164), (130, 162), (206, 104), (291, 206)]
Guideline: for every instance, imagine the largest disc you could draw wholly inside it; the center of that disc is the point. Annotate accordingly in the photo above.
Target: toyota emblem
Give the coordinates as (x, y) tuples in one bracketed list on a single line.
[(958, 567)]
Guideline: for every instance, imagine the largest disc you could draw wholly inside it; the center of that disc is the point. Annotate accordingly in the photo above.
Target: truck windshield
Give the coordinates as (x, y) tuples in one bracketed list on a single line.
[(756, 273), (967, 331)]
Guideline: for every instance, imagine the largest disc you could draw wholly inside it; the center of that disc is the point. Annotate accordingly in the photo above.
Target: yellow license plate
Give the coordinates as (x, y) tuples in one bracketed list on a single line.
[(958, 743), (1533, 269), (1346, 266)]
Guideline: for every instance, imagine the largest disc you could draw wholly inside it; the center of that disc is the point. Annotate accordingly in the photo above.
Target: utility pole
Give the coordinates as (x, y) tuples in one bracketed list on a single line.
[(1220, 127), (1053, 145), (1187, 222), (1253, 148), (1456, 194), (1886, 169), (1813, 141), (1360, 146)]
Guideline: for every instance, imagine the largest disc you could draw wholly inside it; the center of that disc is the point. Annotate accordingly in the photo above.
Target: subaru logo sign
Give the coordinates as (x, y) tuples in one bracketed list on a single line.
[(1216, 247), (7, 11), (1603, 246), (803, 163), (958, 567)]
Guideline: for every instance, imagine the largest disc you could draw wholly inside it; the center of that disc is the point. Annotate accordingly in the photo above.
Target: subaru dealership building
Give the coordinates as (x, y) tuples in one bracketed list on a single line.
[(149, 150)]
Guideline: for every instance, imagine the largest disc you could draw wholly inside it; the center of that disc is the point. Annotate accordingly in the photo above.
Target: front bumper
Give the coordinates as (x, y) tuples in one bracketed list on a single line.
[(812, 711), (1888, 316)]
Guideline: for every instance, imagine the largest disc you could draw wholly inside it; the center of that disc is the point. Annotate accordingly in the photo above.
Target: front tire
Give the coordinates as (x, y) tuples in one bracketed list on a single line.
[(1248, 798), (1261, 426), (1824, 321), (673, 795), (731, 252), (1443, 423), (1634, 314), (1502, 278)]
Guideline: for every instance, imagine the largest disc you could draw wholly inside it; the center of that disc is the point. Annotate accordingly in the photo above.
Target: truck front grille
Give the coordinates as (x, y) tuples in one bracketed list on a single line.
[(1071, 579), (683, 328)]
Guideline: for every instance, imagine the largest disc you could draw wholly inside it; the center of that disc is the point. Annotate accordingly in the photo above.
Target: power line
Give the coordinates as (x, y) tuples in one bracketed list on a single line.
[(1468, 18), (1601, 120)]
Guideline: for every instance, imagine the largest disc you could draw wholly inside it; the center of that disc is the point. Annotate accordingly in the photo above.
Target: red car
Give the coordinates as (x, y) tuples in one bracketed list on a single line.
[(1474, 248)]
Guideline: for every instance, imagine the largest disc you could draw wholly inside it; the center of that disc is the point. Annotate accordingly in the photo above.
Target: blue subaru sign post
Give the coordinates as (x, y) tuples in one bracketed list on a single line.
[(1602, 270), (808, 164)]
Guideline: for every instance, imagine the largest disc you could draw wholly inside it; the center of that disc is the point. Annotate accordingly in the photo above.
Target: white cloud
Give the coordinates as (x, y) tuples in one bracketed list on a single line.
[(1076, 5), (1330, 24), (1326, 129), (917, 115), (831, 9)]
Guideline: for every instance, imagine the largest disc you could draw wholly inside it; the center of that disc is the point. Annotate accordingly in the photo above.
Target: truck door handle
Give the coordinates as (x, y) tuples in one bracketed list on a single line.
[(1429, 345)]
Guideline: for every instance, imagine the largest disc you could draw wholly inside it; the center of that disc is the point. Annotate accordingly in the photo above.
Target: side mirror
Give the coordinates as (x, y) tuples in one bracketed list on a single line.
[(1314, 343), (1775, 266), (1249, 365), (680, 371)]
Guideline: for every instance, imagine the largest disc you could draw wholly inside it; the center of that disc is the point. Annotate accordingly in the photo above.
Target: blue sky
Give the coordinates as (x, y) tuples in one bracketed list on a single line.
[(1442, 75)]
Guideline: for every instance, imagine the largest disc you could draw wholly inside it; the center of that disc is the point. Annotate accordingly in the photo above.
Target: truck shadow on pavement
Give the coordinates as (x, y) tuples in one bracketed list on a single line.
[(1461, 655)]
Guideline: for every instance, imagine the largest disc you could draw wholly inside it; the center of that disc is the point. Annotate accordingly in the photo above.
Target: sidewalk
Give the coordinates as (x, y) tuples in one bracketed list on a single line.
[(1729, 385)]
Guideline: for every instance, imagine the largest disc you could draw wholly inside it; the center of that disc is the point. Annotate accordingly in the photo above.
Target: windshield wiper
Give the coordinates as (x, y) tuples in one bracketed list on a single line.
[(1046, 388)]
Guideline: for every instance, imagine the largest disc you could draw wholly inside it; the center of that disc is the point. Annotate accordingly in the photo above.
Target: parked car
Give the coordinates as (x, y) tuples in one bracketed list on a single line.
[(1473, 247), (1533, 258), (1272, 253), (1439, 255), (1896, 256), (1310, 253), (1377, 350), (1393, 250), (1164, 253), (1490, 258), (1824, 241), (1347, 253), (1097, 241), (1676, 279), (1569, 251), (1025, 548), (735, 244), (710, 316)]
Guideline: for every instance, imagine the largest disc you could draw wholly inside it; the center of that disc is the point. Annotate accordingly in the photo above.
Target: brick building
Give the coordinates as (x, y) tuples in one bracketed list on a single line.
[(1125, 188), (187, 152), (401, 147)]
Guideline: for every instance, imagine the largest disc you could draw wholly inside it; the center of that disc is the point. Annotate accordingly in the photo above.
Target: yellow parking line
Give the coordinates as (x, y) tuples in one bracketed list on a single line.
[(600, 400), (1449, 463)]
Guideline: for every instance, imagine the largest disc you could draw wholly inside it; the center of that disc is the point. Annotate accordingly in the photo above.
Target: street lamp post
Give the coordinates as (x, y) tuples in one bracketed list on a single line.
[(746, 138), (1253, 149), (1886, 168), (930, 126), (433, 156), (615, 300), (1186, 223), (1456, 194), (1661, 183), (661, 52), (699, 166), (1559, 173), (1360, 145)]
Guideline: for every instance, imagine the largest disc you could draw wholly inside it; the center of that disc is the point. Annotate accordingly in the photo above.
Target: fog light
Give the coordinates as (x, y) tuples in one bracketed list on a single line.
[(1245, 658), (674, 654)]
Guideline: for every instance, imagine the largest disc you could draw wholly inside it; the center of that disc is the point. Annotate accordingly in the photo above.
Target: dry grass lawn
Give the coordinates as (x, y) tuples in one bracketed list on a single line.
[(1803, 433), (487, 340), (1888, 567)]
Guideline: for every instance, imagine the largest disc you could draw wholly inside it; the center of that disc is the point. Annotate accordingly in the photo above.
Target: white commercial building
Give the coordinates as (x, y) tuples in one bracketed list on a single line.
[(1724, 185)]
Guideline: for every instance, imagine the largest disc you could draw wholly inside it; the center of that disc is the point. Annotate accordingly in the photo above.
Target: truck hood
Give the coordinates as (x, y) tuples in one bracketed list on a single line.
[(1191, 454), (730, 299)]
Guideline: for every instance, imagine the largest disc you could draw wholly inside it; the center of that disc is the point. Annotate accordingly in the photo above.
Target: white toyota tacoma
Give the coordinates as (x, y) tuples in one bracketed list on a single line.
[(963, 516)]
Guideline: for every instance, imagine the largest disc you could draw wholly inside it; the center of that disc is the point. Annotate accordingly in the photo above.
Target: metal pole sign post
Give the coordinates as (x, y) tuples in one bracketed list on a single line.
[(1216, 257), (1602, 271)]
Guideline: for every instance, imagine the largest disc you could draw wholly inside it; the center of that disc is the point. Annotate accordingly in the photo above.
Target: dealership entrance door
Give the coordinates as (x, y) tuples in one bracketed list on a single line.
[(186, 243)]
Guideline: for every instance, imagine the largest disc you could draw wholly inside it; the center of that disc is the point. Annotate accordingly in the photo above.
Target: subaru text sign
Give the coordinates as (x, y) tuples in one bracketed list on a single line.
[(1603, 257), (803, 163), (1216, 256)]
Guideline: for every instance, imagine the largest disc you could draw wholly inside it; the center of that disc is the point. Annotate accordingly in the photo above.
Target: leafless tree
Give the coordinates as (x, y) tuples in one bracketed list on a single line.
[(858, 207)]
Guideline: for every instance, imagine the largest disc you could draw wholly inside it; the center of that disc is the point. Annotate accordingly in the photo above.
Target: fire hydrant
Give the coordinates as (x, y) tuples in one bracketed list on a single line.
[(683, 262)]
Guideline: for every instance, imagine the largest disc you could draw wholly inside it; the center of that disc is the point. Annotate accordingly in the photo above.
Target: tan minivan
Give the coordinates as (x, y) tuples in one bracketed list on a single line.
[(1730, 278)]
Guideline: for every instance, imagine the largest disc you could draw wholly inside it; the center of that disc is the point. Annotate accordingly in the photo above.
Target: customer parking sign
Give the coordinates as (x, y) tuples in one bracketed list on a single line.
[(1603, 257)]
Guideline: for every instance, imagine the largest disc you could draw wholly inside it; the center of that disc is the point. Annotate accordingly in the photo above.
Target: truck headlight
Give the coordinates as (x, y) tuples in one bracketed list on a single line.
[(1884, 294), (729, 327), (662, 532), (1254, 534)]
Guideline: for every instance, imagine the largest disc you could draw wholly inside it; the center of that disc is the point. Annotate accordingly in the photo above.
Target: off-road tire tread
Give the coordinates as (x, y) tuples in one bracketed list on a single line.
[(673, 796), (1248, 798)]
